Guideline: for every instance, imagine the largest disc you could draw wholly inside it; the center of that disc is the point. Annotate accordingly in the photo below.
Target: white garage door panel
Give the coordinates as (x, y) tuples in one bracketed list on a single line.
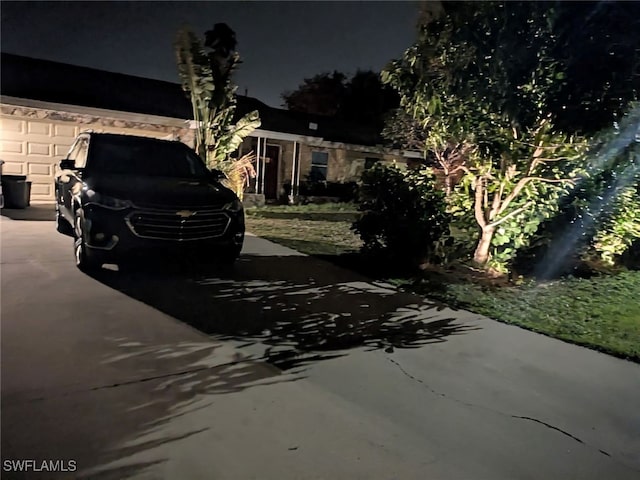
[(12, 146), (39, 169), (12, 125), (61, 150), (13, 168), (66, 131), (41, 190), (39, 149), (39, 128)]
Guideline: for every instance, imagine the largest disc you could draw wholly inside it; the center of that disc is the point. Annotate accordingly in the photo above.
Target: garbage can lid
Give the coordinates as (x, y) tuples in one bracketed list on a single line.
[(14, 178)]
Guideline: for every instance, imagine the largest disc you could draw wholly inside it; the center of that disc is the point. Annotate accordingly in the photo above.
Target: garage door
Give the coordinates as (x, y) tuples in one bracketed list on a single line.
[(33, 147)]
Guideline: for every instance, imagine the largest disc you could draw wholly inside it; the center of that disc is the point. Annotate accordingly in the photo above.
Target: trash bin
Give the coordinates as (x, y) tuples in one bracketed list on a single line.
[(16, 191)]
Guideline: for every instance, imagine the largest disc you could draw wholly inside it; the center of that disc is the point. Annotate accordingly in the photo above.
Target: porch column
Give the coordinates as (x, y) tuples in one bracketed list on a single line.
[(258, 169), (297, 169), (294, 168), (263, 163)]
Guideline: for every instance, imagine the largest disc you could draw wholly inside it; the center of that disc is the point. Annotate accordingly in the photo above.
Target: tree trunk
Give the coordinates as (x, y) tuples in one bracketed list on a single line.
[(481, 255)]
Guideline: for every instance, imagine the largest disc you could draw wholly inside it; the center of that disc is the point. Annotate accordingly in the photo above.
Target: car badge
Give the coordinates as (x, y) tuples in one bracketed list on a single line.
[(185, 213)]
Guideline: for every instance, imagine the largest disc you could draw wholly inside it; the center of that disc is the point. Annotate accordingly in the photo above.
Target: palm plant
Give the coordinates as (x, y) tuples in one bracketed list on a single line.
[(206, 71)]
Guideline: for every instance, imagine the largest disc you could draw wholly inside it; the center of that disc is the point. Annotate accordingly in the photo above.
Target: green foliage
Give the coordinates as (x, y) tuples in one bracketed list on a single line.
[(206, 73), (621, 229), (197, 79), (598, 217), (614, 186), (403, 215), (601, 312), (480, 81)]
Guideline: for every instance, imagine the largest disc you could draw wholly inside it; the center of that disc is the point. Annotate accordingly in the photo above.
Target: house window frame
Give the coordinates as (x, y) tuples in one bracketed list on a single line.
[(315, 166)]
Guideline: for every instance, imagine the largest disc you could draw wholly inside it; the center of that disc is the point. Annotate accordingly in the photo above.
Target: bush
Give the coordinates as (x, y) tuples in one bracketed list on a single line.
[(403, 215), (344, 192)]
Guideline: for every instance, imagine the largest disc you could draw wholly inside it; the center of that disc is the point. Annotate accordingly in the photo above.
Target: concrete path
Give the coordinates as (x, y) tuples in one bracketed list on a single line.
[(288, 368)]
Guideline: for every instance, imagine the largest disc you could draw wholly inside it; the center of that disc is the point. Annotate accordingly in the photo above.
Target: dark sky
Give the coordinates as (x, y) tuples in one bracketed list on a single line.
[(280, 42)]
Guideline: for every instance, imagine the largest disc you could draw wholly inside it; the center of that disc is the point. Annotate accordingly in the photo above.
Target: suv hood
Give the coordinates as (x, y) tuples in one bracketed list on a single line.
[(162, 191)]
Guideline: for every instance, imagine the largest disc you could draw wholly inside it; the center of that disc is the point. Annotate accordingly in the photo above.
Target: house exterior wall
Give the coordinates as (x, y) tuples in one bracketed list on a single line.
[(345, 163), (34, 140)]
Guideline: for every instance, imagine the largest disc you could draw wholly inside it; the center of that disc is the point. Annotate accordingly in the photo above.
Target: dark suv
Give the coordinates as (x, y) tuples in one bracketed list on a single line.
[(121, 195)]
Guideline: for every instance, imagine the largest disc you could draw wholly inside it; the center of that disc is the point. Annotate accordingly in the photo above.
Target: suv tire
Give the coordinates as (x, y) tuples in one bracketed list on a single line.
[(85, 260), (62, 226), (227, 256)]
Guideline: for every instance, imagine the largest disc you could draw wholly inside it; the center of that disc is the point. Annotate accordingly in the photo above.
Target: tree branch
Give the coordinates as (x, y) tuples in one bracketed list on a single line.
[(478, 211), (572, 181), (514, 193), (557, 159), (510, 215), (523, 182), (461, 167)]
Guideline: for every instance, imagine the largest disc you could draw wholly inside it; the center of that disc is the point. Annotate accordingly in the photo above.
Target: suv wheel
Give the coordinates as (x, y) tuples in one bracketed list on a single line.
[(85, 261), (62, 226), (227, 256)]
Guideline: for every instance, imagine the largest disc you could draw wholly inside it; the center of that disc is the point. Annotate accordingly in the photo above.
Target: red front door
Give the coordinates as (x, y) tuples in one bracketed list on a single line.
[(271, 158)]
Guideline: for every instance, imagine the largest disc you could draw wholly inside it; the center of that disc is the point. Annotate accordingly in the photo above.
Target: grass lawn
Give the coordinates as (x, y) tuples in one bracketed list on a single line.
[(311, 229), (601, 312)]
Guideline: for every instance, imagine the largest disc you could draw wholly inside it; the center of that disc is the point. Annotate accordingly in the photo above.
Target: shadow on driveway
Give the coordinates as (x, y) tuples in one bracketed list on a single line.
[(296, 309), (39, 213)]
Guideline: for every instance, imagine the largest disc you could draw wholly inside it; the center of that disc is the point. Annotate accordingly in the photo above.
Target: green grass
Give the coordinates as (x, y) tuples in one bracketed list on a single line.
[(297, 209), (602, 312), (311, 229)]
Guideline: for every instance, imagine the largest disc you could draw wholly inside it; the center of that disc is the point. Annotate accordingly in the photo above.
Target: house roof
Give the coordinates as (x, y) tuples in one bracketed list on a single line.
[(49, 81)]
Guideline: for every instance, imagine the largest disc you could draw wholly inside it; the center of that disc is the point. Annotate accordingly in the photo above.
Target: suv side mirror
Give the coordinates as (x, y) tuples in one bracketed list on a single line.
[(67, 164), (218, 174)]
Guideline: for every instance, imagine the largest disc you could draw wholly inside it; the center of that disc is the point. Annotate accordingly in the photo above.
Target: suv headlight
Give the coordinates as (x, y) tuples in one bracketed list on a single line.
[(233, 206), (106, 201)]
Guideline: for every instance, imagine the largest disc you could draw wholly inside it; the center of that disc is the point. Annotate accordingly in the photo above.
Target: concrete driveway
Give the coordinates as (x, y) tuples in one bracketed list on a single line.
[(288, 368)]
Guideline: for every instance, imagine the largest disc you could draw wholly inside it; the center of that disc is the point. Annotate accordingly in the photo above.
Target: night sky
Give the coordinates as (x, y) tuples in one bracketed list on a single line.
[(280, 42)]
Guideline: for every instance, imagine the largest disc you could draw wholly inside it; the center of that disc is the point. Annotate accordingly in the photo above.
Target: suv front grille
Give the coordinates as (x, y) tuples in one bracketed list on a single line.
[(178, 225)]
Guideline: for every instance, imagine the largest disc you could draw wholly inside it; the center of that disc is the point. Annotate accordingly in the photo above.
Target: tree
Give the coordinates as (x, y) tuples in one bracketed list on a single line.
[(480, 80), (362, 99), (367, 100), (207, 76), (321, 94), (599, 45)]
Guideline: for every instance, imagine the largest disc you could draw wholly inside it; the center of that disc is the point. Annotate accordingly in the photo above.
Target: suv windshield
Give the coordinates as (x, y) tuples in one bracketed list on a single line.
[(121, 155)]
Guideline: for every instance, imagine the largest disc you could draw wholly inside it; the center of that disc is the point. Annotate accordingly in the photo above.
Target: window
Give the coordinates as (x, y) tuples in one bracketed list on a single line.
[(125, 155), (319, 162), (81, 159)]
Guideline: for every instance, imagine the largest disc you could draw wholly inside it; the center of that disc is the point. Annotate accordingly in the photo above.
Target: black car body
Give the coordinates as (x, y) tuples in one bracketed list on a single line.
[(121, 196)]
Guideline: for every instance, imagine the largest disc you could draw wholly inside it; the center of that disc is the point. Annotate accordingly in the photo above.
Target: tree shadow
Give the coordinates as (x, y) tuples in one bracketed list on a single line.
[(297, 309), (171, 381), (285, 313)]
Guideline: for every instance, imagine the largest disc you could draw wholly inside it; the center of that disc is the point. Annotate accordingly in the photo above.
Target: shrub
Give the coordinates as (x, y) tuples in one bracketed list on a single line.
[(403, 215), (621, 229), (344, 192)]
